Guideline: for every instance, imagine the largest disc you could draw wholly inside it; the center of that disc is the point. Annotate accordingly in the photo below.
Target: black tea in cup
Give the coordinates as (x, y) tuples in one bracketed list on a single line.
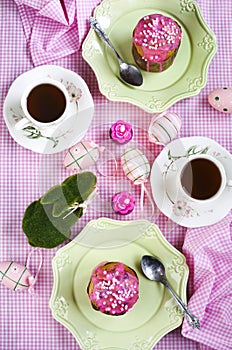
[(46, 103), (201, 179)]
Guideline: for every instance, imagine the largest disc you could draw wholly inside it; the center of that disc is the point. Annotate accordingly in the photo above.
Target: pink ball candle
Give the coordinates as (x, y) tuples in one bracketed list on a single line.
[(121, 132), (123, 203)]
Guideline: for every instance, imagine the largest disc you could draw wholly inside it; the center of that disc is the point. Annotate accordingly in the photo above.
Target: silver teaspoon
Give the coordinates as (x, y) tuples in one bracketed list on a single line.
[(154, 270), (129, 73)]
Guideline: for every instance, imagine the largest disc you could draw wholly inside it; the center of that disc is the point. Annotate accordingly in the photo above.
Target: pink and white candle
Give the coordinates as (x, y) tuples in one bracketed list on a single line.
[(121, 132), (123, 203)]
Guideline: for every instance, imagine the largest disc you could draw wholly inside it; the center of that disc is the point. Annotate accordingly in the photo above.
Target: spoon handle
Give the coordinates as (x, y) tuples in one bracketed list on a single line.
[(192, 319), (96, 26)]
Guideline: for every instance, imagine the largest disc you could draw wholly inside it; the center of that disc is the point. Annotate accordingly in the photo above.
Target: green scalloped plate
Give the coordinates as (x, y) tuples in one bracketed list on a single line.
[(185, 78), (155, 313)]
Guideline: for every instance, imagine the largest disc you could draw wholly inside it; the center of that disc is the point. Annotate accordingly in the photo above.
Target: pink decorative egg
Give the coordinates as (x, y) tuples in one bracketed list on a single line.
[(15, 276), (135, 165), (82, 155), (221, 99), (164, 128)]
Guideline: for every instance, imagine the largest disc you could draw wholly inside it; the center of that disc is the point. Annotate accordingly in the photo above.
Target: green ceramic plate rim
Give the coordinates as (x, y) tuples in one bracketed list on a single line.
[(131, 95), (182, 286)]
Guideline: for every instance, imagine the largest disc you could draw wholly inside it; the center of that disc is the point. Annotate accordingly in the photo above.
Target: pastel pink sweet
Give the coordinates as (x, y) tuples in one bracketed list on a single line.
[(123, 202), (15, 276), (115, 289), (221, 99), (135, 165), (82, 155), (121, 131), (164, 127), (157, 34)]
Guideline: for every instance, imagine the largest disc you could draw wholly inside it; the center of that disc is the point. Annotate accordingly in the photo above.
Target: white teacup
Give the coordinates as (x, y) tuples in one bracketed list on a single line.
[(45, 104), (201, 178)]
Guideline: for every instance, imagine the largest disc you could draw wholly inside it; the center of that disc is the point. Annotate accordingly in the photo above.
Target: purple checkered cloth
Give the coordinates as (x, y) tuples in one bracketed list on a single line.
[(208, 253), (53, 28), (50, 28), (29, 38)]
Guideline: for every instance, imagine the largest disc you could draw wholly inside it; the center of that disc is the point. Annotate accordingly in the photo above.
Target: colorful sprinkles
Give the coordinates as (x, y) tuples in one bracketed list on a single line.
[(156, 40), (113, 288), (157, 35)]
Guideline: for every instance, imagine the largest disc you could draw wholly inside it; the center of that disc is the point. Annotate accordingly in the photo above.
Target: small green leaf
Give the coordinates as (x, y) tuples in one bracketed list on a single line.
[(33, 132), (169, 155), (205, 150), (191, 150)]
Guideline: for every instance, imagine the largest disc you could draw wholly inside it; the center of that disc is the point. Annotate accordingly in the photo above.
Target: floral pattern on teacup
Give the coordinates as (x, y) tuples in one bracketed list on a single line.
[(170, 167), (74, 91), (35, 133), (181, 208), (191, 151), (32, 132)]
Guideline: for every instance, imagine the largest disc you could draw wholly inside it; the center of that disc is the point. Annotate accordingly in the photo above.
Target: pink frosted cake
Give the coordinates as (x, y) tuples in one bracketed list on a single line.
[(156, 40), (113, 288)]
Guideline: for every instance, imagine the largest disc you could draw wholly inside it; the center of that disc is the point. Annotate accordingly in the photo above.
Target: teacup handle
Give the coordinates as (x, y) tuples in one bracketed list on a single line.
[(229, 183), (22, 123)]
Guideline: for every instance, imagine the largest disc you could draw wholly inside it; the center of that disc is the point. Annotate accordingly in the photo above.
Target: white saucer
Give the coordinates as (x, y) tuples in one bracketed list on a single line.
[(66, 134), (167, 197)]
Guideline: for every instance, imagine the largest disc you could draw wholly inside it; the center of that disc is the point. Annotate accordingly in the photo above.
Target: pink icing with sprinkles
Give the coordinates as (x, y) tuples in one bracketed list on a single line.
[(157, 34), (115, 289)]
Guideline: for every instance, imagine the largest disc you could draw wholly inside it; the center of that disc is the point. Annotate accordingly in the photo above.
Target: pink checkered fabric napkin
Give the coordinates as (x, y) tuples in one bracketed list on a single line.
[(50, 27), (84, 11), (208, 251)]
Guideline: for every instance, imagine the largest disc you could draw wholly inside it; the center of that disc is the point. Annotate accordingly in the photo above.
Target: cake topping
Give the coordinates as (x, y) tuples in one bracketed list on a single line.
[(114, 288), (157, 35)]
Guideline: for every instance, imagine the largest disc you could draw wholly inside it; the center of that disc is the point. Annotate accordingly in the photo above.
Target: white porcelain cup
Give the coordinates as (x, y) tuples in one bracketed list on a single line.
[(204, 184), (52, 98)]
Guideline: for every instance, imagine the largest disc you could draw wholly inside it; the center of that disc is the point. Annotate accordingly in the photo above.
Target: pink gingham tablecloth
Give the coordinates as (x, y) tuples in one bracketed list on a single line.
[(208, 252), (26, 322)]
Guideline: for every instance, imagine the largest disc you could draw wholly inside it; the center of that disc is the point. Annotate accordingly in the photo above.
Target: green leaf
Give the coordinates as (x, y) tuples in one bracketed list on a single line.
[(33, 132), (191, 150), (46, 222), (205, 150)]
